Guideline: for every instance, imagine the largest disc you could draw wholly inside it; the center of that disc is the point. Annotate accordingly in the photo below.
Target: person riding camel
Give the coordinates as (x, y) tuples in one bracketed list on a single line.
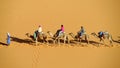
[(37, 32), (101, 34), (40, 29), (81, 32), (59, 32)]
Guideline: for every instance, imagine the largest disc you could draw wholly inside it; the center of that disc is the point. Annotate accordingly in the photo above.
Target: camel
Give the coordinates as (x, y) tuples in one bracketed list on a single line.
[(106, 36), (30, 36), (40, 37), (77, 37), (55, 37)]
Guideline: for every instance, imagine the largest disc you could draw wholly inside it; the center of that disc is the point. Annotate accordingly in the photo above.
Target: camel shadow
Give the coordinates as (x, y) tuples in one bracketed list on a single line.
[(26, 41), (50, 41), (117, 41), (1, 43), (84, 41), (73, 41), (90, 42), (93, 42)]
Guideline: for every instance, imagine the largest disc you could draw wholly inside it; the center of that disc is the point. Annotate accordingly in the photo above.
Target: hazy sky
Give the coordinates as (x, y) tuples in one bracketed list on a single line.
[(28, 14)]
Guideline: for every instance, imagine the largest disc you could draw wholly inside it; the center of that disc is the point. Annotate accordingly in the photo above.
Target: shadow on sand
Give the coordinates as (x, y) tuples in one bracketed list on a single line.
[(84, 41), (1, 43), (27, 41), (31, 42), (117, 41)]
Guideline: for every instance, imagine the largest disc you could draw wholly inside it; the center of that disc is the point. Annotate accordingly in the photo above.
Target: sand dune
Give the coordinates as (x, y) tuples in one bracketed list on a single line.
[(19, 17)]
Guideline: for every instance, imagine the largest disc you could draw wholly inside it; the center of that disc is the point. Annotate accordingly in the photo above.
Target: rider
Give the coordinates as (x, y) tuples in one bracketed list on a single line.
[(40, 29), (35, 34), (101, 34), (60, 31), (82, 31)]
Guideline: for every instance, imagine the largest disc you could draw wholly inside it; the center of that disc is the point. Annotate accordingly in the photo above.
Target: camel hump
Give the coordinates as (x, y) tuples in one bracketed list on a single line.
[(106, 33)]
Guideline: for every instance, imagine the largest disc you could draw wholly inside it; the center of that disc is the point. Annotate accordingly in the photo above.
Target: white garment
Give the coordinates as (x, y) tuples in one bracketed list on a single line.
[(40, 29), (8, 34), (60, 33)]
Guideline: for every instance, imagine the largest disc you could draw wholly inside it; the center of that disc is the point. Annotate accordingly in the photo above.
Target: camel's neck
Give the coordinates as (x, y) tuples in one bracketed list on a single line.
[(28, 35), (51, 35), (72, 35), (95, 35)]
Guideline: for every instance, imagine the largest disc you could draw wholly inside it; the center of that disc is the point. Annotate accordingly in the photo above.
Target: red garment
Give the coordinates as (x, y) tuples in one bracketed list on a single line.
[(62, 29)]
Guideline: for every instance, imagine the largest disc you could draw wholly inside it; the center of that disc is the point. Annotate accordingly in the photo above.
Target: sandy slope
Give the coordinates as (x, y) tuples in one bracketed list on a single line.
[(21, 16)]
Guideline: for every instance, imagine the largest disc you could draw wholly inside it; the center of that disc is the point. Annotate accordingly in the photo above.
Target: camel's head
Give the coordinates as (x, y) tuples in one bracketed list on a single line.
[(27, 34), (93, 33), (48, 31), (70, 33)]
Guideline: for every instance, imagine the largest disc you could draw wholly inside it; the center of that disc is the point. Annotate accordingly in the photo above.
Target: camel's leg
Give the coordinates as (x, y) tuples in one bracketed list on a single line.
[(100, 42), (44, 40), (54, 40), (80, 40), (86, 38), (68, 41), (58, 41), (87, 41), (47, 42), (103, 42), (64, 40), (111, 42), (36, 41)]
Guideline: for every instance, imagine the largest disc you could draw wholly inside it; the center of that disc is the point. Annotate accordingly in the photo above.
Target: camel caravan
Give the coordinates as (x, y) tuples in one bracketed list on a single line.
[(56, 38), (62, 37)]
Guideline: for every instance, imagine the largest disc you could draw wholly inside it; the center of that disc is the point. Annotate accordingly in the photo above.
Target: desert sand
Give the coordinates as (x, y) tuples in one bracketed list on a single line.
[(19, 17)]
